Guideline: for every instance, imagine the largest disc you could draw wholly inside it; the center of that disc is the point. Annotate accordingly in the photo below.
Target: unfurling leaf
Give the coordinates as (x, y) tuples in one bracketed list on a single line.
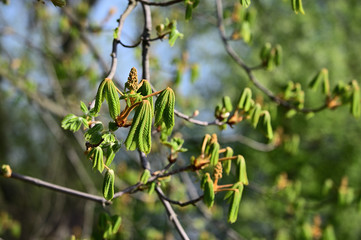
[(145, 176), (189, 9), (108, 185), (83, 107), (99, 99), (73, 123), (94, 135), (145, 90), (245, 3), (265, 52), (214, 151), (116, 222), (297, 6), (227, 103), (241, 170), (355, 102), (278, 55), (59, 3), (235, 202), (245, 100), (111, 95), (266, 124), (98, 162), (228, 163), (208, 197), (255, 115), (164, 109), (139, 135)]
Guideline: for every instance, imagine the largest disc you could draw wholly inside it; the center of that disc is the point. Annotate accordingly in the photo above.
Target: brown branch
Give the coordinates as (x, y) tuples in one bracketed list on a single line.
[(131, 5), (57, 188), (249, 70), (160, 4)]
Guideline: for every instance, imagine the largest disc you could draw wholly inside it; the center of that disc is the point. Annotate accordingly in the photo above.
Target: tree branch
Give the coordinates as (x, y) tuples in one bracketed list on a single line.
[(182, 204), (160, 4), (57, 188), (171, 214), (131, 5), (195, 121)]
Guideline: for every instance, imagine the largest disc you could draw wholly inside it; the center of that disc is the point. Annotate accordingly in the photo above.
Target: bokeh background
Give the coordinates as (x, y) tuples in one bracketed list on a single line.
[(305, 187)]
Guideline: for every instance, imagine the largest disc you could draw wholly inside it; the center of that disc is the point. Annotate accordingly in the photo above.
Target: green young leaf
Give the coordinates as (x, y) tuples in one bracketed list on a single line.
[(355, 102), (316, 80), (108, 185), (241, 170), (144, 133), (146, 89), (245, 100), (214, 151), (83, 107), (139, 135), (112, 98), (326, 82), (98, 162), (300, 6), (228, 164), (99, 99), (235, 202), (174, 33), (59, 3), (245, 3), (164, 109), (189, 9), (94, 135), (266, 124), (255, 114), (278, 55), (145, 176), (265, 52), (73, 123), (208, 197), (116, 222), (227, 103), (246, 32), (329, 233)]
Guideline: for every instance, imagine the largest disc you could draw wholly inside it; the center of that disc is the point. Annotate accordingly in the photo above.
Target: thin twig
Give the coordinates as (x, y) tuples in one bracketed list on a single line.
[(130, 46), (160, 4), (172, 215), (182, 204), (195, 121), (131, 5), (57, 188)]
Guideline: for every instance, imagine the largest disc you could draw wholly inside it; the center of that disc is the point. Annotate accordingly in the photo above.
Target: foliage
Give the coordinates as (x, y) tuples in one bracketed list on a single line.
[(271, 90)]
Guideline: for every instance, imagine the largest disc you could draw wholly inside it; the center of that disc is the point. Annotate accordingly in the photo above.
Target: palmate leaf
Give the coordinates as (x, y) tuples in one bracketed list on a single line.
[(235, 202), (99, 98), (108, 185), (139, 135), (209, 195), (73, 123), (112, 98), (98, 159), (241, 170), (228, 164), (145, 90), (164, 109)]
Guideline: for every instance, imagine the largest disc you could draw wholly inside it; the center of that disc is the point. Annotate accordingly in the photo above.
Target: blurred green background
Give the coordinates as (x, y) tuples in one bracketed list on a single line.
[(50, 59)]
